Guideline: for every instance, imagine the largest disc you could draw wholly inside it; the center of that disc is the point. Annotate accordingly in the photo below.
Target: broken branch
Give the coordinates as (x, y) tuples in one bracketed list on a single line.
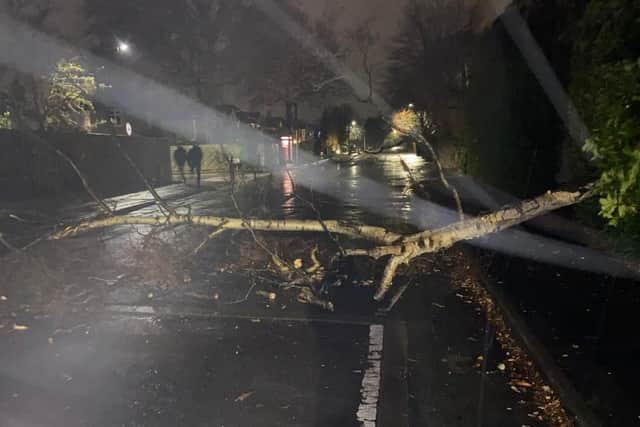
[(401, 250), (367, 232)]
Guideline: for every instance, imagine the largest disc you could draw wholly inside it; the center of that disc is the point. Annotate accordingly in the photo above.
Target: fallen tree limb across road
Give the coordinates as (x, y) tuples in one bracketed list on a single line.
[(400, 249), (366, 232)]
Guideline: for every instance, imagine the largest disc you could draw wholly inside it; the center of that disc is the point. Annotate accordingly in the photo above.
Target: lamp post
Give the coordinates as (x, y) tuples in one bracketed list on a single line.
[(123, 49), (353, 134)]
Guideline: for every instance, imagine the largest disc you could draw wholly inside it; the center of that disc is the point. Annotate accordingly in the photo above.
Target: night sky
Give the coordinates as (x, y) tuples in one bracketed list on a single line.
[(384, 14)]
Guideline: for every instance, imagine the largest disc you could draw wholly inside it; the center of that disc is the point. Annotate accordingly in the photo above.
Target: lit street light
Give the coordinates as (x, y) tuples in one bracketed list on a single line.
[(123, 48), (355, 133)]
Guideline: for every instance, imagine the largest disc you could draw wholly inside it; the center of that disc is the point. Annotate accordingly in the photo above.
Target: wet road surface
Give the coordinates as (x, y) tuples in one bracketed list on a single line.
[(158, 372), (156, 360)]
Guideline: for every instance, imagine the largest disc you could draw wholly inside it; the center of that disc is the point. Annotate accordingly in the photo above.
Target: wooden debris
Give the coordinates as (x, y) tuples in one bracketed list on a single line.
[(244, 396)]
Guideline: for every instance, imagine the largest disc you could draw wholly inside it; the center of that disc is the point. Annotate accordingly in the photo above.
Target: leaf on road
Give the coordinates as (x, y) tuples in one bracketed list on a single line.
[(297, 263), (244, 396)]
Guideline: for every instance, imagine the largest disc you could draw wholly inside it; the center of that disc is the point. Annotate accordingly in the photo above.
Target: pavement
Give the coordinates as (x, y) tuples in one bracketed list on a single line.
[(214, 352)]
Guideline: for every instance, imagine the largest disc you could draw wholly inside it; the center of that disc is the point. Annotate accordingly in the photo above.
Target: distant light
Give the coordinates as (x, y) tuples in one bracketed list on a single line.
[(285, 141), (353, 123), (411, 105), (123, 47)]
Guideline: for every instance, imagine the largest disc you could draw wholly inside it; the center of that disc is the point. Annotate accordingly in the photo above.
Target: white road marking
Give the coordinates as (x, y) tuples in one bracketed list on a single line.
[(370, 389)]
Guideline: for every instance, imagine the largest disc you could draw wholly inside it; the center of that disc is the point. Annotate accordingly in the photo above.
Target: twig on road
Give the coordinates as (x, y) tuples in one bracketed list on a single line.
[(246, 297), (209, 238), (37, 240)]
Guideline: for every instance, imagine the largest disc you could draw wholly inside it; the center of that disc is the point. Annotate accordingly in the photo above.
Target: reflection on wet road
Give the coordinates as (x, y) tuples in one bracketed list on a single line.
[(362, 191)]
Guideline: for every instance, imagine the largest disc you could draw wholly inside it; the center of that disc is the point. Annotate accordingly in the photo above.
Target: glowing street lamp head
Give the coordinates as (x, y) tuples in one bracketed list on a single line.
[(353, 123), (123, 47), (411, 105)]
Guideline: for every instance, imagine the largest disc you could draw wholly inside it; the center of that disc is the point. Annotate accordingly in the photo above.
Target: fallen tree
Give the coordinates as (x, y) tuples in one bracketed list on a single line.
[(399, 249)]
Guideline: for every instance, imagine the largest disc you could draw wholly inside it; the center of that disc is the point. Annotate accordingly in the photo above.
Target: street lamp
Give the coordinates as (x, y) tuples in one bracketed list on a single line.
[(123, 48), (356, 133), (411, 105)]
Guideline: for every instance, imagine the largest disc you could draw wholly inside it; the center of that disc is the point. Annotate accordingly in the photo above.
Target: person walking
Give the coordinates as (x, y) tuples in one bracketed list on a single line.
[(180, 157), (194, 157)]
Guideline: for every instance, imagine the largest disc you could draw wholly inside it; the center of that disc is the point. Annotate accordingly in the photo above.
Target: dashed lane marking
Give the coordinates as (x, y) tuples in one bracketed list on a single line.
[(370, 389)]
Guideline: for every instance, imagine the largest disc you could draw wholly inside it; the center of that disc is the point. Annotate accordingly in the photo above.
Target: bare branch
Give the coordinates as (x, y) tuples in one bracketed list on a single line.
[(501, 219), (367, 232), (400, 250), (209, 238), (443, 238), (8, 245), (246, 297), (316, 263), (159, 201), (389, 273), (306, 296), (103, 206), (395, 298), (315, 210), (422, 140), (375, 253), (282, 264), (317, 87)]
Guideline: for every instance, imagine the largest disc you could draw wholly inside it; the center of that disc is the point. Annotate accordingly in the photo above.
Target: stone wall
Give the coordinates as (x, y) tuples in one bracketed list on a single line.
[(31, 169)]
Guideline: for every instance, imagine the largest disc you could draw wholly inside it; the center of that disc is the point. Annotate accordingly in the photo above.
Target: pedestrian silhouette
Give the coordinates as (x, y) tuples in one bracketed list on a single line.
[(180, 157), (194, 157)]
